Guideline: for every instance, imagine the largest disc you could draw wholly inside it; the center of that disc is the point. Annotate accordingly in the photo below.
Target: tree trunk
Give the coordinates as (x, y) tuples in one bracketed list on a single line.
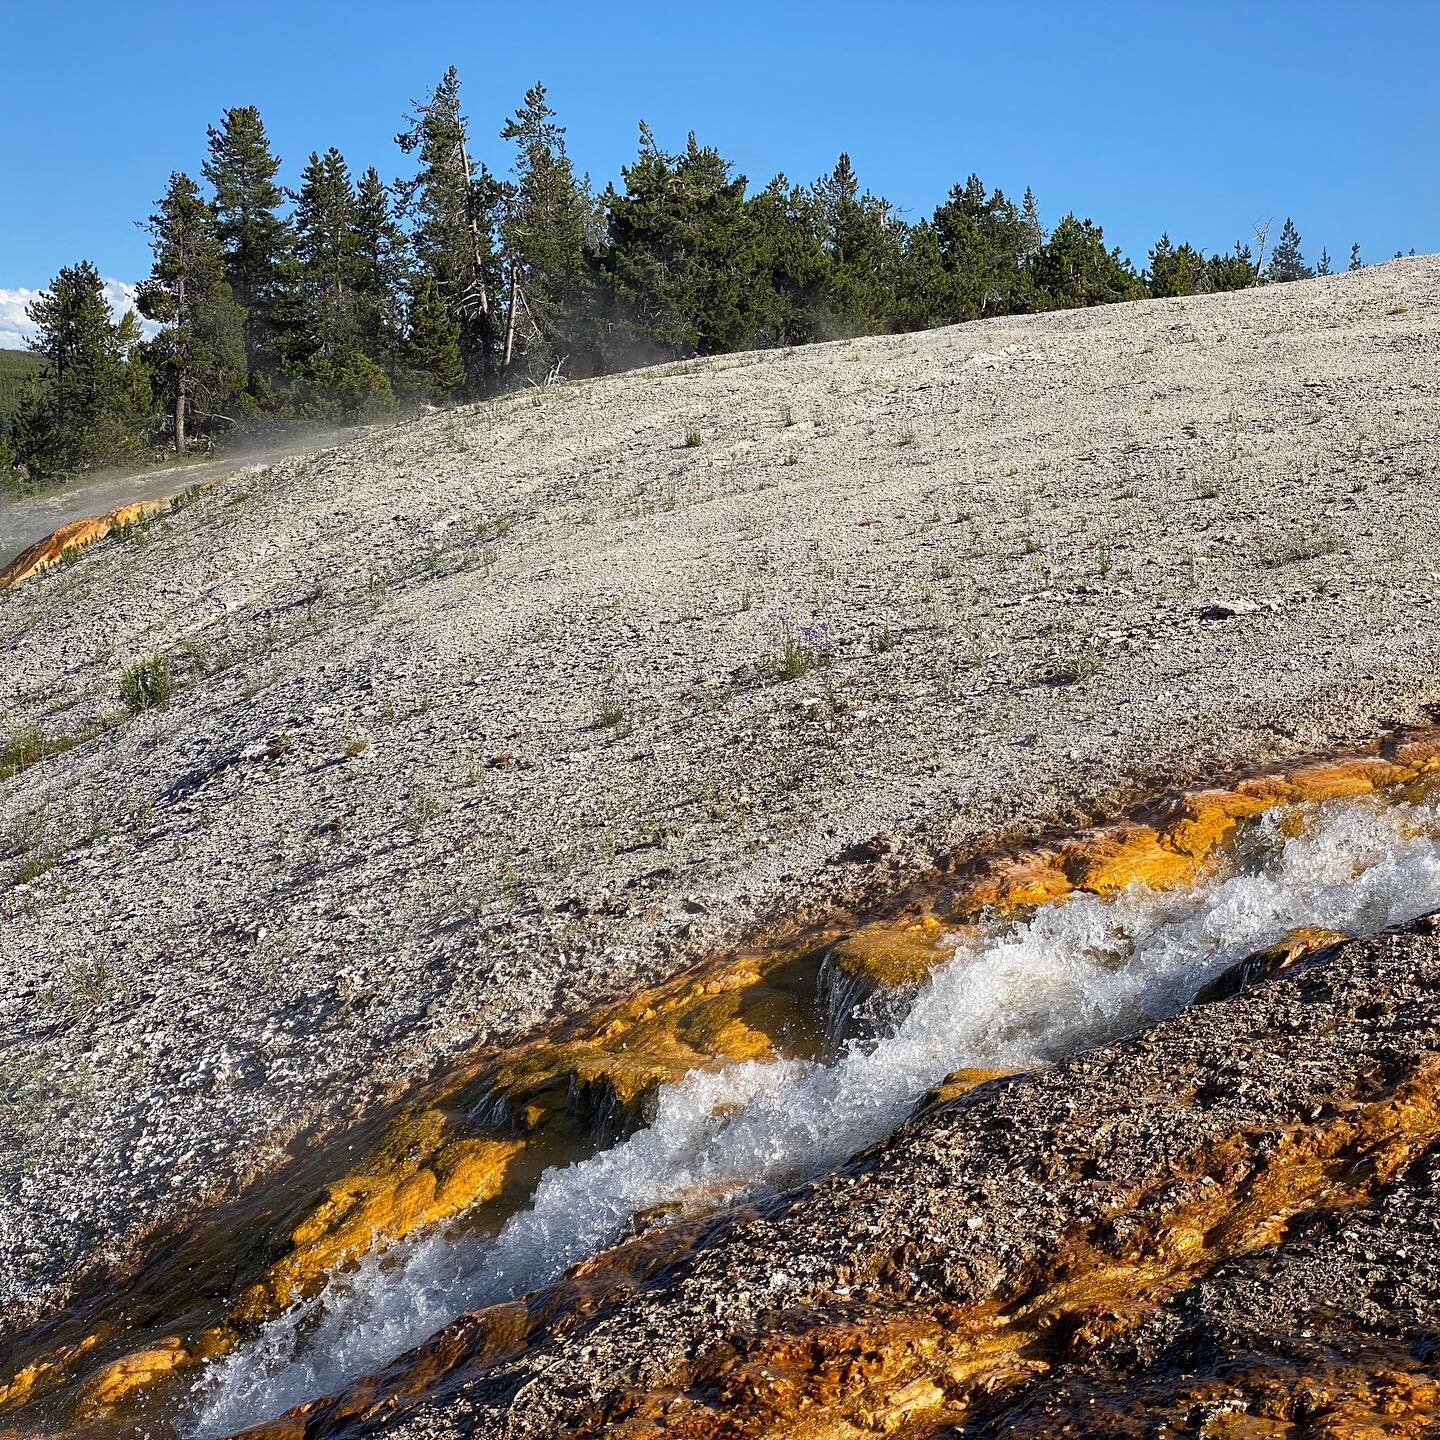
[(180, 379), (477, 254), (510, 318)]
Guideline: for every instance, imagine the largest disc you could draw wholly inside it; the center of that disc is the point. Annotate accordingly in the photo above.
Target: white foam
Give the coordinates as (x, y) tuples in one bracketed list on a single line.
[(1073, 974)]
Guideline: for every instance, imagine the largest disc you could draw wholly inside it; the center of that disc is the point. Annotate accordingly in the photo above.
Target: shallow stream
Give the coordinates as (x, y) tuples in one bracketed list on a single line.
[(1010, 994)]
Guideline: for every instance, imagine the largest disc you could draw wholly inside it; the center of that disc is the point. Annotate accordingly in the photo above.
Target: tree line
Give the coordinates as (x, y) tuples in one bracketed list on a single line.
[(343, 299)]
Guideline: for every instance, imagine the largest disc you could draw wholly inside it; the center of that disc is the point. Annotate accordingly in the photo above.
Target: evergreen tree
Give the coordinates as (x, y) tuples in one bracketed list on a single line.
[(254, 238), (1235, 271), (548, 218), (455, 212), (1034, 231), (1073, 268), (78, 414), (325, 246), (1323, 268), (680, 258), (923, 290), (865, 244), (138, 384), (380, 273), (434, 349), (1164, 277), (984, 243), (332, 375), (199, 355), (1178, 270), (1355, 262), (791, 268), (1286, 261)]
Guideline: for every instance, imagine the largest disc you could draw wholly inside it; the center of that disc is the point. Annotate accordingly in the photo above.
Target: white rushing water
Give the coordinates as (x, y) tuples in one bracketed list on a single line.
[(1072, 974)]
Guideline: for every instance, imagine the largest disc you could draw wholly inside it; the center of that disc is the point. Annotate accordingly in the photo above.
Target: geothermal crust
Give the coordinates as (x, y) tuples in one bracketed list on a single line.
[(507, 712)]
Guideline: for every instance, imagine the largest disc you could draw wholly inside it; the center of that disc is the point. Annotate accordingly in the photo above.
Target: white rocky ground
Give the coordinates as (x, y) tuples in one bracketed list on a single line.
[(484, 717)]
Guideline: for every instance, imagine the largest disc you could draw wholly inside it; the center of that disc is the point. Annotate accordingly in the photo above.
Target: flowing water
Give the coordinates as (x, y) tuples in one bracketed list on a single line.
[(1014, 994)]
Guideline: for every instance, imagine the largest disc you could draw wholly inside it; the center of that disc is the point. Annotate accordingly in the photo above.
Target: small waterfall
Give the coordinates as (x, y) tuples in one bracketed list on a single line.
[(857, 1009)]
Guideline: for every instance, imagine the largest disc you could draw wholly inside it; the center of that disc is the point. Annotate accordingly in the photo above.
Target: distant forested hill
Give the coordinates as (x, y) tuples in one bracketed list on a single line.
[(16, 367)]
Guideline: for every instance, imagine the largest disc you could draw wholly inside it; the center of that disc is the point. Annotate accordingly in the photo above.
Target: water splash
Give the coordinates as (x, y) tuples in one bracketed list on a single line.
[(1023, 993)]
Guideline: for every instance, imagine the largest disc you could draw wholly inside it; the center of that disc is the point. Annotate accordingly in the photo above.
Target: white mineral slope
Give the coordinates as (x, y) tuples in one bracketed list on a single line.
[(479, 721)]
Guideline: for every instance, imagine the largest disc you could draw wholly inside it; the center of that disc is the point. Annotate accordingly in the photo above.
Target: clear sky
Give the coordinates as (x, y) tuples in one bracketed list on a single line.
[(1196, 118)]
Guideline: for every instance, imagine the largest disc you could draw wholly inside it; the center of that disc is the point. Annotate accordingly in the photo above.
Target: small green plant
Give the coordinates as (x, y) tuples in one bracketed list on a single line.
[(148, 684), (802, 648), (22, 750), (882, 639), (1078, 669), (137, 528), (355, 747), (33, 866), (610, 714), (87, 982), (424, 808), (693, 440), (1306, 546)]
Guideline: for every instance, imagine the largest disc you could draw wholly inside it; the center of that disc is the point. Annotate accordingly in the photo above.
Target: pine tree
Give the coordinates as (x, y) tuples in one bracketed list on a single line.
[(77, 415), (1177, 270), (1355, 262), (791, 266), (254, 238), (1286, 261), (548, 216), (380, 273), (434, 350), (1323, 268), (1163, 277), (865, 243), (1034, 231), (1074, 268), (138, 382), (455, 212), (199, 354), (984, 242), (681, 257), (325, 245), (922, 288), (331, 374), (1235, 271)]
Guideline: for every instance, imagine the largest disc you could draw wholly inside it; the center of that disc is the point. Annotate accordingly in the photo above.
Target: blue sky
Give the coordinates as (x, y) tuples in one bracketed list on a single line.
[(1197, 118)]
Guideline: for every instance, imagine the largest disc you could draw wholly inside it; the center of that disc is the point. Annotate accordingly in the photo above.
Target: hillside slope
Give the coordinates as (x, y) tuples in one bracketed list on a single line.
[(500, 713)]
